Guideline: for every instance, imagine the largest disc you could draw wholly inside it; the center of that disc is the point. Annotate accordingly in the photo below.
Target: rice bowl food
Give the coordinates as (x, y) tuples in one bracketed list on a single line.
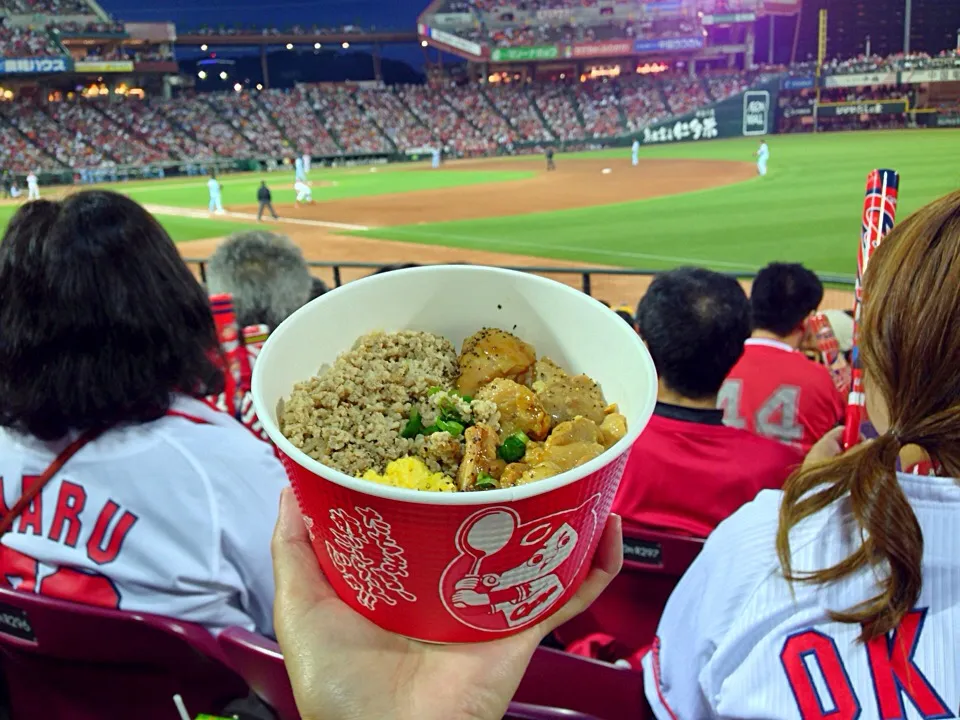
[(362, 391), (404, 409)]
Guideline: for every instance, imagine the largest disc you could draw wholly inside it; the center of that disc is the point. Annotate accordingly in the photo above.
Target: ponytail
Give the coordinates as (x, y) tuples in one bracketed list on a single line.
[(891, 539)]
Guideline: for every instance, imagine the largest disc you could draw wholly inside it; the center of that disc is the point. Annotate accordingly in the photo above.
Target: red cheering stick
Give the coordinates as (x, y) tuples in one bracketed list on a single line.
[(879, 215), (253, 338), (237, 371), (830, 354)]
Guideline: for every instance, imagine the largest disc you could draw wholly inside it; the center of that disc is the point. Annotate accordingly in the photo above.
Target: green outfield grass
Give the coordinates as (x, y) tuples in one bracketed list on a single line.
[(806, 210)]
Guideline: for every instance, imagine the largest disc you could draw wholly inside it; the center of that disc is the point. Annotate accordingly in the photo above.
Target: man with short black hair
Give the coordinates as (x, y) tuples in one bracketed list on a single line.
[(688, 471), (775, 390)]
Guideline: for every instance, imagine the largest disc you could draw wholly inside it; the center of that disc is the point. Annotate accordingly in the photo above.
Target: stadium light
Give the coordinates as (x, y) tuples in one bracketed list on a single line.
[(259, 86), (317, 46), (237, 87), (202, 74), (289, 46), (346, 46), (423, 43), (203, 47), (223, 75)]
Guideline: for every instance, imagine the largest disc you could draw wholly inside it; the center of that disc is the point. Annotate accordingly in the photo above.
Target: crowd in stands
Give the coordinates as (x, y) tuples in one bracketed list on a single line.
[(47, 7), (92, 128), (70, 148), (353, 128), (555, 103), (600, 107), (20, 156), (250, 119), (404, 129), (515, 103), (684, 93), (456, 134), (89, 28), (199, 121), (642, 102), (303, 129), (268, 31), (482, 113), (24, 42), (145, 120)]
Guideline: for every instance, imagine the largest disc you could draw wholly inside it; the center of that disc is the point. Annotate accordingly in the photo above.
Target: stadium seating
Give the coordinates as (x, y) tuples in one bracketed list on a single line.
[(292, 113), (514, 102), (459, 136), (199, 121), (356, 132), (27, 42), (630, 608), (404, 129), (144, 119), (64, 660), (19, 155), (250, 119), (556, 105), (556, 686)]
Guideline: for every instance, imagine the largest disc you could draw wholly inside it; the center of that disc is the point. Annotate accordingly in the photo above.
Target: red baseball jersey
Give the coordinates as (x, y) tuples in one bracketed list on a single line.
[(687, 472), (778, 392)]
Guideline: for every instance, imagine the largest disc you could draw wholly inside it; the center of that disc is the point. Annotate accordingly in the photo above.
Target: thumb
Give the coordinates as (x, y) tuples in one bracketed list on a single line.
[(296, 572)]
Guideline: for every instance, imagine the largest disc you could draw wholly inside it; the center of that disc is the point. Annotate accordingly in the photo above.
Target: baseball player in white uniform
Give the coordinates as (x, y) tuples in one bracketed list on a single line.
[(304, 193), (306, 164), (635, 152), (299, 172), (216, 200), (33, 187), (763, 155)]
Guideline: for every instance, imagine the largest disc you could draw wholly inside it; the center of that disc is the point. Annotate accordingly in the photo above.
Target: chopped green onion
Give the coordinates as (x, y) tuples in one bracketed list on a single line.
[(414, 425), (430, 430), (467, 399), (434, 390), (485, 481), (514, 447), (450, 426)]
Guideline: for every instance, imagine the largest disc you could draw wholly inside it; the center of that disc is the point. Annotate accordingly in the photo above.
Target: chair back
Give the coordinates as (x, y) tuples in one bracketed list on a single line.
[(595, 688), (259, 661), (63, 659), (631, 606)]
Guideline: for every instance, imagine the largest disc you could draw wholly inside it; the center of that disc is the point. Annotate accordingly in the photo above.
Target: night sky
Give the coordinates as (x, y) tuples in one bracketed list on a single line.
[(190, 13)]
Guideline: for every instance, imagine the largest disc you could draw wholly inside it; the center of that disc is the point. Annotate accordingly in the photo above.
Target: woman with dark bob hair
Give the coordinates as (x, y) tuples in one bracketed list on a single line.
[(146, 497)]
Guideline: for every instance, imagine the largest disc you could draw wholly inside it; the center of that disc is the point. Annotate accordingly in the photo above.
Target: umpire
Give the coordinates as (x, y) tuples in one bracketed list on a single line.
[(265, 200)]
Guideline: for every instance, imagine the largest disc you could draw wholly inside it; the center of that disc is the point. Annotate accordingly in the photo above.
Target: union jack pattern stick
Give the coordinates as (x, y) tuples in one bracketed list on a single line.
[(879, 215)]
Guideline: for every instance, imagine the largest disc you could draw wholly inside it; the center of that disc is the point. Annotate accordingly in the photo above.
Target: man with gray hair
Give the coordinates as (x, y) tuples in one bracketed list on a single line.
[(266, 275)]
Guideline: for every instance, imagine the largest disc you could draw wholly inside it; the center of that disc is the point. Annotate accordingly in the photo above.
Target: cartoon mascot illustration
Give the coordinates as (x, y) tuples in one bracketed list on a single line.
[(507, 573)]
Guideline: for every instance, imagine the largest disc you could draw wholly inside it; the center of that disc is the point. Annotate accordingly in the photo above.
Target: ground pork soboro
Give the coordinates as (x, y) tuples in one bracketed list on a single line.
[(349, 417)]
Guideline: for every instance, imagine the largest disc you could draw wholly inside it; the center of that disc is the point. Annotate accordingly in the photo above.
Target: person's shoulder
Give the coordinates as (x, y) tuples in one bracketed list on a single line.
[(760, 449), (212, 435)]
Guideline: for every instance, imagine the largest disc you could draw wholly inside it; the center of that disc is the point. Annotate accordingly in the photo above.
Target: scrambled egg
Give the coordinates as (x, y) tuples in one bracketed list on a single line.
[(411, 473)]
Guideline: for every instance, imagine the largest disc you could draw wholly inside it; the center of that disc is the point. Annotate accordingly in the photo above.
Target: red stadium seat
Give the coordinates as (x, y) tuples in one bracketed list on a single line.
[(65, 660), (556, 686), (630, 608)]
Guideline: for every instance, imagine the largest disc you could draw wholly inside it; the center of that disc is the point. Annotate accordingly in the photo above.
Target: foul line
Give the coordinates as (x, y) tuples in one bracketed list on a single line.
[(497, 245), (206, 215)]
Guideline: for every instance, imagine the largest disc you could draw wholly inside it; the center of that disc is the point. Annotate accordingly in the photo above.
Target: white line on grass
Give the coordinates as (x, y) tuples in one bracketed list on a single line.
[(488, 243), (205, 215)]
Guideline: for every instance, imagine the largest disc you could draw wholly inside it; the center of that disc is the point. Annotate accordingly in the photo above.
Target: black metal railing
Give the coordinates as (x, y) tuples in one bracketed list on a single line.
[(586, 273)]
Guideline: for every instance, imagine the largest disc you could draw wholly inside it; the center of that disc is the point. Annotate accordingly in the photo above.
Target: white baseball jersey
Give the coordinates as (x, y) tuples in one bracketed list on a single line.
[(32, 180), (734, 643), (214, 187), (303, 190), (171, 517)]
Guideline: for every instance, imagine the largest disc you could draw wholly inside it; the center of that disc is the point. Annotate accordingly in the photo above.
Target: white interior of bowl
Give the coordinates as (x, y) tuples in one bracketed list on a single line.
[(576, 331)]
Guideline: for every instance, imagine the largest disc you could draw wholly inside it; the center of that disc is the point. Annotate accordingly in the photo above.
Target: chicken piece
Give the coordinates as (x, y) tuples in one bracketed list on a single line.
[(578, 430), (567, 457), (491, 354), (546, 370), (612, 429), (535, 454), (520, 410), (539, 472), (479, 456), (565, 397), (512, 473)]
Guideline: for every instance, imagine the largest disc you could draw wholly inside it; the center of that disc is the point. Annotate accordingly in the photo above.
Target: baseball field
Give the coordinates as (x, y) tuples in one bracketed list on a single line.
[(694, 203)]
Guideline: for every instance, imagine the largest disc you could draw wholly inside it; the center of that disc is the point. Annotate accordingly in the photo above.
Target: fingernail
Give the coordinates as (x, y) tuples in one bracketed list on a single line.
[(289, 513)]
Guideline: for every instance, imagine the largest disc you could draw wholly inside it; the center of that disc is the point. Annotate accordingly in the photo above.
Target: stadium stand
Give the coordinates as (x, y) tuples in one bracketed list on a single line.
[(355, 131), (600, 108), (252, 121), (404, 129), (476, 107), (144, 119), (95, 129), (555, 104), (459, 136), (198, 120), (56, 140), (27, 42), (304, 129), (514, 103), (19, 155), (641, 102)]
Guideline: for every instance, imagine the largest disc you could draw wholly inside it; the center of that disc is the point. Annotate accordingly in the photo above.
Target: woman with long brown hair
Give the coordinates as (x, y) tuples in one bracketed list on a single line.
[(840, 596)]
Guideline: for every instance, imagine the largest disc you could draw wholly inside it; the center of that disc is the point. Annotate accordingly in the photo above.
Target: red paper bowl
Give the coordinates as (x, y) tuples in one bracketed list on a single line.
[(457, 567)]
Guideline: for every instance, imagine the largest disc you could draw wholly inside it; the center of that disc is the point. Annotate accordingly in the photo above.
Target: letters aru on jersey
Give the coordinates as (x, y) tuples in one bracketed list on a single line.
[(103, 544)]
